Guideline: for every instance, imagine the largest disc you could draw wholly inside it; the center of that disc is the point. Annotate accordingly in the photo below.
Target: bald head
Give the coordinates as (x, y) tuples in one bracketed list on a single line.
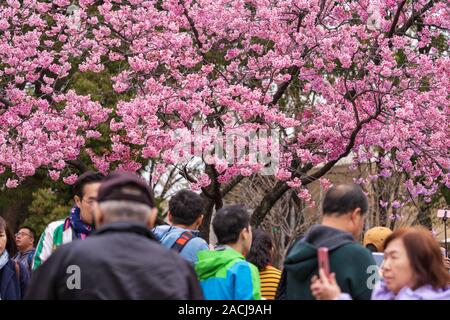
[(344, 198)]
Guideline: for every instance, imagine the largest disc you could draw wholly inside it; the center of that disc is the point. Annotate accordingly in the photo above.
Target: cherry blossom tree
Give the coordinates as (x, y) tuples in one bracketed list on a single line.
[(332, 78)]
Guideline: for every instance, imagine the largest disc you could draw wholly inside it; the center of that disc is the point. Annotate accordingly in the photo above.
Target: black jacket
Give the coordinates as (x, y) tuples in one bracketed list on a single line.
[(13, 285), (121, 260)]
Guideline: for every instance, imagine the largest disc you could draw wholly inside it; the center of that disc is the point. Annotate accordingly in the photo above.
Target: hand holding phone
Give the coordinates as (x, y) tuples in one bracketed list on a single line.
[(324, 263)]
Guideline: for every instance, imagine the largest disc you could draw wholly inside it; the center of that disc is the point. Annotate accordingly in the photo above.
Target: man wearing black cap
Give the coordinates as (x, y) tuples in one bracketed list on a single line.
[(122, 259)]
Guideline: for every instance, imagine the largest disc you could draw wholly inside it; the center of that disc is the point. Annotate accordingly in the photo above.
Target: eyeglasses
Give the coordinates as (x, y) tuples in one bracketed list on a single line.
[(22, 234)]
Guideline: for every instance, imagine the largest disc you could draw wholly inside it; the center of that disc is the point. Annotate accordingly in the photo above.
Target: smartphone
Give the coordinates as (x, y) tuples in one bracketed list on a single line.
[(322, 257)]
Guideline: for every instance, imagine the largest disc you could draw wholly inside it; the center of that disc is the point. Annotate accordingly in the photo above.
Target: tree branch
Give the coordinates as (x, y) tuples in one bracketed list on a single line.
[(5, 102), (214, 189), (78, 164), (233, 183), (268, 202), (416, 16), (293, 72), (281, 187), (192, 25), (396, 17), (348, 149)]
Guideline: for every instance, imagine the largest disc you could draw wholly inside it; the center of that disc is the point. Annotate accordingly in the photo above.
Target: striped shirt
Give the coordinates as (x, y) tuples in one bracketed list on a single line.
[(270, 278), (55, 234)]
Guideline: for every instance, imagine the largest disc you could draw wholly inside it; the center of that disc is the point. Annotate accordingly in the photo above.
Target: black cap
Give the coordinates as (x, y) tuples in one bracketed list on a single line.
[(126, 186)]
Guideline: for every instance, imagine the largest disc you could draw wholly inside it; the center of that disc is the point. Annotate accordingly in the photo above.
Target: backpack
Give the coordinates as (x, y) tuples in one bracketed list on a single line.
[(182, 241)]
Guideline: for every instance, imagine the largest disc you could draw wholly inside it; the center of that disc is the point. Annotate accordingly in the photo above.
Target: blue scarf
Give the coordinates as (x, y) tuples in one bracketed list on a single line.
[(81, 228), (4, 258)]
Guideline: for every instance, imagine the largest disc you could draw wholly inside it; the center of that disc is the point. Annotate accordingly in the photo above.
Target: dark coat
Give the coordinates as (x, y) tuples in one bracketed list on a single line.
[(13, 286), (121, 260), (348, 259)]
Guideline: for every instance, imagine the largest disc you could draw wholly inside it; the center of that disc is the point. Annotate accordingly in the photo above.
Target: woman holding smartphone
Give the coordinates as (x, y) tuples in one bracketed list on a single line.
[(413, 269)]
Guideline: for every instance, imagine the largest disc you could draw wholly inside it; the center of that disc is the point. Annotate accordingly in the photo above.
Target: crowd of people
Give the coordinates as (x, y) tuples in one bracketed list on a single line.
[(109, 247)]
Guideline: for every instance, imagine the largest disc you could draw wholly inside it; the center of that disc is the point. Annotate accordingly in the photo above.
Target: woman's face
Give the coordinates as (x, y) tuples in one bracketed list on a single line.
[(2, 240), (396, 269)]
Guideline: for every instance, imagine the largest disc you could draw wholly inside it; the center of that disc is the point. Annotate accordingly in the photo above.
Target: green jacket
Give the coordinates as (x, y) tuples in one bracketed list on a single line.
[(348, 259), (225, 275)]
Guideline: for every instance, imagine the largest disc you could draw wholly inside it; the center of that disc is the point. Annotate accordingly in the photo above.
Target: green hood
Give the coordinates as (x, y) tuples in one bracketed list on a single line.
[(215, 263), (302, 259)]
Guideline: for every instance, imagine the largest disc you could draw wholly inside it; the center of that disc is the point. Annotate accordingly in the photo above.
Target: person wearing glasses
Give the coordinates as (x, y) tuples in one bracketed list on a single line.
[(25, 247), (80, 222)]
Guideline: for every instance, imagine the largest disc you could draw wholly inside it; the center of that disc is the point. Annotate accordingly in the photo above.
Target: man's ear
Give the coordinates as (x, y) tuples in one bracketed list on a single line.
[(245, 233), (356, 214), (152, 218), (244, 236), (77, 200), (241, 237)]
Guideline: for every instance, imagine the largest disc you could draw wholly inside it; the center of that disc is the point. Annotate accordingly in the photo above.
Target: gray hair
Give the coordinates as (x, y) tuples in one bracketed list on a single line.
[(124, 210)]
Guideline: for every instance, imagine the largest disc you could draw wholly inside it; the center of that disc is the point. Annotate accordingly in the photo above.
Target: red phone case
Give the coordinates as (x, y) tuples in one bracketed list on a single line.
[(322, 255)]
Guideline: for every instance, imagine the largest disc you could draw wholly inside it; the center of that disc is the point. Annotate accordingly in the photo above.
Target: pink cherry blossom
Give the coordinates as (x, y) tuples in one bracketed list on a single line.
[(12, 183), (333, 84), (70, 179)]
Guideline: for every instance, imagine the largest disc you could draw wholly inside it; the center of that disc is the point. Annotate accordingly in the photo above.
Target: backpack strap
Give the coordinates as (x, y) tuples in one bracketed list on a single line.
[(182, 240)]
